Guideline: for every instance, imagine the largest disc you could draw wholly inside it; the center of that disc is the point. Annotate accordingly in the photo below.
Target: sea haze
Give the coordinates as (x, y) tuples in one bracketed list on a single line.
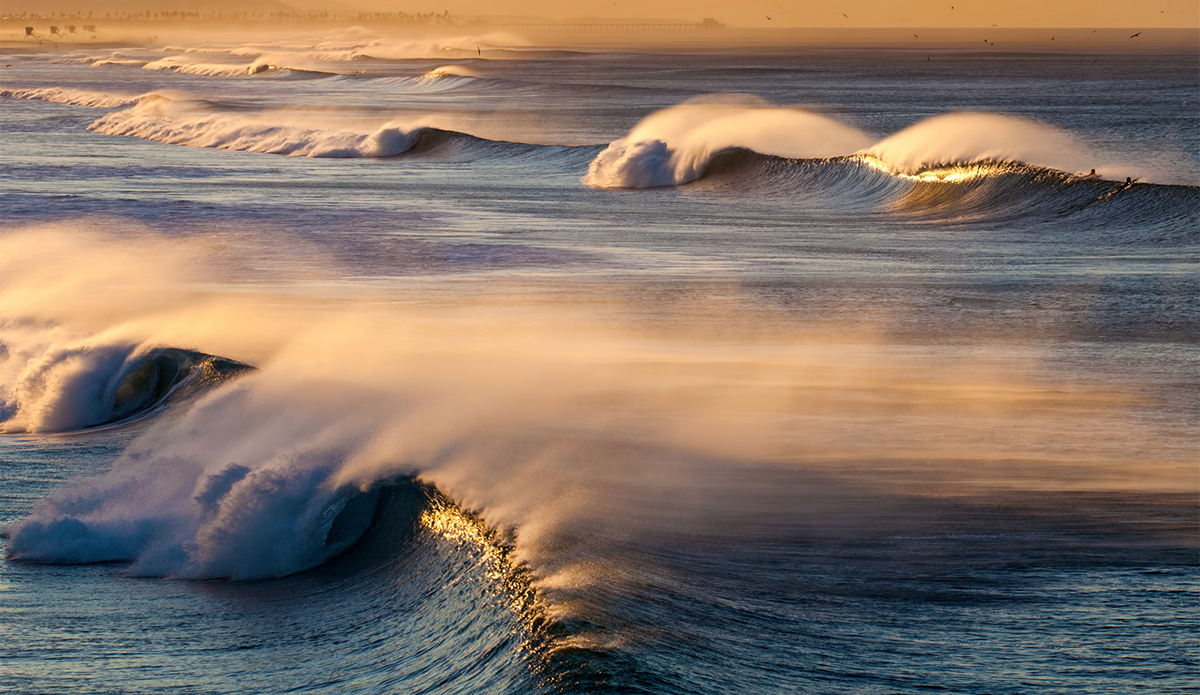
[(335, 362)]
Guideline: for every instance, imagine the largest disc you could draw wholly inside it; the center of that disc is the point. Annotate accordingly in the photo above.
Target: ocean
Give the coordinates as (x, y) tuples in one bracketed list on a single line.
[(335, 362)]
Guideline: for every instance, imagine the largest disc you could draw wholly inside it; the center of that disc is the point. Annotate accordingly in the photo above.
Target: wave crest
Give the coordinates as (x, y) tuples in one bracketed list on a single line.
[(679, 144), (450, 71), (967, 138), (79, 386), (164, 119), (77, 97), (676, 145), (183, 65)]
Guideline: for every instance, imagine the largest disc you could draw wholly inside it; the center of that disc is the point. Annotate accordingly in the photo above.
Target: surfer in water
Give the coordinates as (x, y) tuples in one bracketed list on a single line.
[(1129, 181)]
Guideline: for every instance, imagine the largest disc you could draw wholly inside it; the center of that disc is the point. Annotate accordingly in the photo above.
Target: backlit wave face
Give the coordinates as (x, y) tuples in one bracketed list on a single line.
[(85, 386)]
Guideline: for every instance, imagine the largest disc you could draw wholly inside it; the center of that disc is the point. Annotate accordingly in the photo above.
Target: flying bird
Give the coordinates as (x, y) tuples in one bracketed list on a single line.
[(1136, 35)]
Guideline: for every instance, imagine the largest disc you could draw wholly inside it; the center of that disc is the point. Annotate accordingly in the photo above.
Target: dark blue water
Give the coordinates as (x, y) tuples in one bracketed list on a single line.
[(502, 388)]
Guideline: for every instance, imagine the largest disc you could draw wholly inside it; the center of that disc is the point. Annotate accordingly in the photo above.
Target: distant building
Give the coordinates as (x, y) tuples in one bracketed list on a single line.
[(710, 23)]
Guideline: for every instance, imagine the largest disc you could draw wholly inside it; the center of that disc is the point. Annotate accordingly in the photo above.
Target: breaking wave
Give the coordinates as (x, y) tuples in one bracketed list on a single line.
[(966, 166), (84, 386), (677, 145), (178, 118), (979, 192), (955, 167), (234, 522), (165, 119), (327, 55), (77, 97), (570, 426), (450, 71), (121, 62), (260, 65), (967, 138), (439, 80)]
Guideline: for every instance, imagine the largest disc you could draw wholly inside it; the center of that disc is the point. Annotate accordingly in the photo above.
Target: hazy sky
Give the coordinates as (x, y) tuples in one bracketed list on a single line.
[(746, 13), (858, 13)]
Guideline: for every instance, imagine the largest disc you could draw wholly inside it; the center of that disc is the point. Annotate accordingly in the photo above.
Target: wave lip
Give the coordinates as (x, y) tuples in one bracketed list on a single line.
[(676, 145), (85, 387), (969, 137), (450, 71), (119, 61)]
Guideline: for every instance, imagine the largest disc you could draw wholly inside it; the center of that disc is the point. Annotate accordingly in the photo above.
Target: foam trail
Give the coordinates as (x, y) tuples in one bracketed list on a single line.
[(564, 424), (675, 145), (165, 119)]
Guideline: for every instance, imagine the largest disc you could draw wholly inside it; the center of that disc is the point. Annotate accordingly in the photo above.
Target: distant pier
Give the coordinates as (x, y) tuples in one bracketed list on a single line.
[(619, 26)]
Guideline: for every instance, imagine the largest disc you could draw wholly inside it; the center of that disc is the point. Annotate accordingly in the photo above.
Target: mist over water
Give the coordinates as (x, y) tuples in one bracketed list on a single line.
[(570, 372), (475, 395)]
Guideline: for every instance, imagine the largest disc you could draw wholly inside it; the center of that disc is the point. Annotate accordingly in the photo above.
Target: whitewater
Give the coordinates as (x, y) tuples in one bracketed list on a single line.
[(344, 362)]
